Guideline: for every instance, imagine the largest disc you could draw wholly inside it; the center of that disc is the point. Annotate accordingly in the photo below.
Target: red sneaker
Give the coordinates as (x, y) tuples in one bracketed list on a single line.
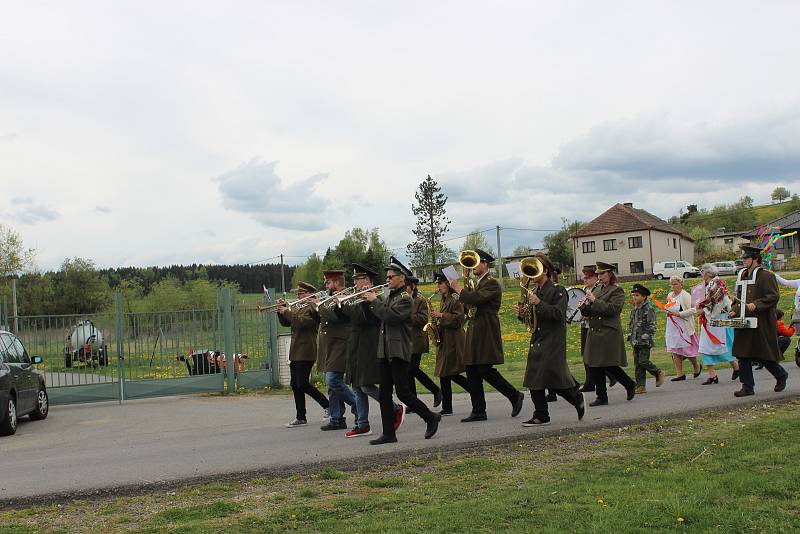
[(356, 432), (399, 416)]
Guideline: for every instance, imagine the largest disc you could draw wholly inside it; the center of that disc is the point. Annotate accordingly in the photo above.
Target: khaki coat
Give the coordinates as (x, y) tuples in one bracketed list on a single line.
[(395, 334), (334, 330), (362, 345), (605, 341), (484, 344), (304, 323), (419, 318), (450, 352)]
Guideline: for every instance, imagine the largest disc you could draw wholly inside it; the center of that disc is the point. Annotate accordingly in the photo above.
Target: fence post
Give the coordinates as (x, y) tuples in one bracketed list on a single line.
[(227, 321), (272, 335), (120, 345)]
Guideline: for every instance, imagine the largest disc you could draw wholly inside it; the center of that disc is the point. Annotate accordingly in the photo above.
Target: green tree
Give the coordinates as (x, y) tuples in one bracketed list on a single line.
[(355, 247), (521, 250), (559, 244), (702, 242), (477, 239), (780, 193), (14, 257), (309, 272), (432, 224), (80, 288)]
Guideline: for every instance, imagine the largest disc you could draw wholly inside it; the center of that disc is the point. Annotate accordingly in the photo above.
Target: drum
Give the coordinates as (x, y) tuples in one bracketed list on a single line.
[(575, 295)]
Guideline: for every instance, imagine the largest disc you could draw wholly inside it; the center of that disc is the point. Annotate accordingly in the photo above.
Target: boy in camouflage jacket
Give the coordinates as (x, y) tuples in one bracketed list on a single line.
[(642, 329)]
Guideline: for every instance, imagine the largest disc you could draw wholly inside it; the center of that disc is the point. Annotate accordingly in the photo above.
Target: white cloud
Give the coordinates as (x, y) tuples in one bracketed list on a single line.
[(27, 211)]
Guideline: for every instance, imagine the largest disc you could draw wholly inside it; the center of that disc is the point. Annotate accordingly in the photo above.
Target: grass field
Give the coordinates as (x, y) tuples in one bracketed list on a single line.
[(725, 471)]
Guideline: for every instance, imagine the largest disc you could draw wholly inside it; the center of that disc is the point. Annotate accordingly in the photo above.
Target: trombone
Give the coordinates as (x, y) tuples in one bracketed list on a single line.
[(360, 300), (290, 304)]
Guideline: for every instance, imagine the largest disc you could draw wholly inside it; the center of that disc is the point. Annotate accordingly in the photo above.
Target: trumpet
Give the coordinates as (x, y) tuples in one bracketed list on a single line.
[(362, 299), (299, 303), (330, 298), (531, 270)]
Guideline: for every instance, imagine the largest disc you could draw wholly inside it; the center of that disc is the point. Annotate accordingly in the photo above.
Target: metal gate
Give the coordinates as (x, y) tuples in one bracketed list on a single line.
[(122, 355)]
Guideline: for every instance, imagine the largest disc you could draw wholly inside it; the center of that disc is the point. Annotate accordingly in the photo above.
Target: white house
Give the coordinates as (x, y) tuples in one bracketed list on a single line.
[(630, 238)]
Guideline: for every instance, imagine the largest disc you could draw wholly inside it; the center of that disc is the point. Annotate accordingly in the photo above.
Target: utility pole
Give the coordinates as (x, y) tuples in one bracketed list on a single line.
[(14, 303), (499, 259), (283, 284)]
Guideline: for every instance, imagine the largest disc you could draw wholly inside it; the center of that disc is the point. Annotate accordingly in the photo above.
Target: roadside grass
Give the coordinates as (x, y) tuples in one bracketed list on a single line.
[(731, 471)]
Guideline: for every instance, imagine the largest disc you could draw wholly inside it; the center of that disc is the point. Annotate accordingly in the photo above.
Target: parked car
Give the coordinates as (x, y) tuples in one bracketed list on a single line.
[(22, 388), (665, 269), (725, 268)]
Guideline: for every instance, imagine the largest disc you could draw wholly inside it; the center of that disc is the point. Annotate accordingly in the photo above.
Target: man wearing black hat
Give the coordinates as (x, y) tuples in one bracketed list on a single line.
[(419, 342), (757, 344), (641, 333), (333, 333), (394, 353), (547, 357), (304, 322), (484, 345), (363, 372)]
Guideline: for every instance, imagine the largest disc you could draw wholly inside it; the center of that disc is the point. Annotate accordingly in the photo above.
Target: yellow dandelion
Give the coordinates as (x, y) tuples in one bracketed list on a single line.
[(681, 520)]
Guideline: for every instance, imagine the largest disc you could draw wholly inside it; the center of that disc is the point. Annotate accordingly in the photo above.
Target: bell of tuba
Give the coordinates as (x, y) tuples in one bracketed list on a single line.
[(531, 270), (468, 259)]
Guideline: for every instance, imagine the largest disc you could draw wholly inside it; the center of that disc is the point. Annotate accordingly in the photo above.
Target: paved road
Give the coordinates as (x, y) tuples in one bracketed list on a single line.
[(152, 442)]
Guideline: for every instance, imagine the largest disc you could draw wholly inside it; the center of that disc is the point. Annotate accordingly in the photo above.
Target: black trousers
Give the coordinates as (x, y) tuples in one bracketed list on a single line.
[(746, 371), (299, 373), (476, 374), (598, 375), (394, 374), (540, 410), (415, 373), (447, 389)]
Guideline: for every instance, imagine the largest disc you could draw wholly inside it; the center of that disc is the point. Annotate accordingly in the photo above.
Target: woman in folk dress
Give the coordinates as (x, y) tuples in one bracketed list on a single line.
[(716, 342), (680, 336)]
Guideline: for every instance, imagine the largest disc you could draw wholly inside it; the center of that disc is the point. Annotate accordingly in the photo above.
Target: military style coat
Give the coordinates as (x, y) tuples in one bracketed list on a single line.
[(450, 352), (419, 318), (304, 323), (605, 342), (547, 356), (484, 345), (759, 343), (394, 312), (334, 330), (362, 345)]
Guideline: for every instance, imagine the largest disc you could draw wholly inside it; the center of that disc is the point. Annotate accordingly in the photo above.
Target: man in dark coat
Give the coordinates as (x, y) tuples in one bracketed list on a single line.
[(394, 353), (333, 333), (484, 345), (304, 322), (363, 372), (605, 342), (547, 357), (419, 342), (757, 344), (590, 281)]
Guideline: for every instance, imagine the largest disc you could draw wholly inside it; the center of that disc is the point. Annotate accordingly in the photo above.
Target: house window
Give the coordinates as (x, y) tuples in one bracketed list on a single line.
[(637, 267), (616, 266), (674, 243), (729, 241), (635, 242), (588, 246), (609, 244)]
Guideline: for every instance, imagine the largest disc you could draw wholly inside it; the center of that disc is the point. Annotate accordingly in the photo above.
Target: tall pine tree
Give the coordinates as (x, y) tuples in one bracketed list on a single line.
[(432, 224)]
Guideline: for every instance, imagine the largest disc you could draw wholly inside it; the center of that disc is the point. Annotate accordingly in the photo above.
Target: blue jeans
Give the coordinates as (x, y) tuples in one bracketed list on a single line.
[(338, 395), (362, 394)]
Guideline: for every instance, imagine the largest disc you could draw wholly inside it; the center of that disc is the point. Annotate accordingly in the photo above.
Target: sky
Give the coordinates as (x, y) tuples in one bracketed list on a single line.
[(153, 133)]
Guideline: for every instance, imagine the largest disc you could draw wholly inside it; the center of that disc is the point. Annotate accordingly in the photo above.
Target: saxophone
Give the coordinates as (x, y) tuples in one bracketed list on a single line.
[(432, 326)]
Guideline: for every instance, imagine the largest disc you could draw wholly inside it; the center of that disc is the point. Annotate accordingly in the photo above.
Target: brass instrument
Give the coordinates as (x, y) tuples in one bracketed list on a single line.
[(297, 304), (432, 326), (327, 301), (469, 259), (360, 300), (531, 270)]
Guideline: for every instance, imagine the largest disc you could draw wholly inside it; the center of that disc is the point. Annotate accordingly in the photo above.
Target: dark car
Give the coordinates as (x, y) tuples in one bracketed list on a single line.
[(22, 389)]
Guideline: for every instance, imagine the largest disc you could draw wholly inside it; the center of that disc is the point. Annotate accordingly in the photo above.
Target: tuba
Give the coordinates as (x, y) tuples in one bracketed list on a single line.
[(469, 259), (531, 270), (432, 326)]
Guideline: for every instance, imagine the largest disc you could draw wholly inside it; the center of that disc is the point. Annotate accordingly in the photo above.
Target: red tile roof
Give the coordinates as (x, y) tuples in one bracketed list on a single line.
[(622, 218)]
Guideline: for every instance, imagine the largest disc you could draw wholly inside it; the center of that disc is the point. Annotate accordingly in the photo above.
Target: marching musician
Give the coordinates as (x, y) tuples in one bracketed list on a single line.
[(761, 343), (333, 333), (419, 343), (450, 352), (363, 372), (394, 353), (605, 343), (304, 322), (589, 282), (484, 345), (547, 357)]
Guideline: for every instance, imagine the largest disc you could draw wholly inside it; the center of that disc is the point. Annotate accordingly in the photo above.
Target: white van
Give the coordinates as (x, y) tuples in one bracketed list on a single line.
[(665, 269)]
